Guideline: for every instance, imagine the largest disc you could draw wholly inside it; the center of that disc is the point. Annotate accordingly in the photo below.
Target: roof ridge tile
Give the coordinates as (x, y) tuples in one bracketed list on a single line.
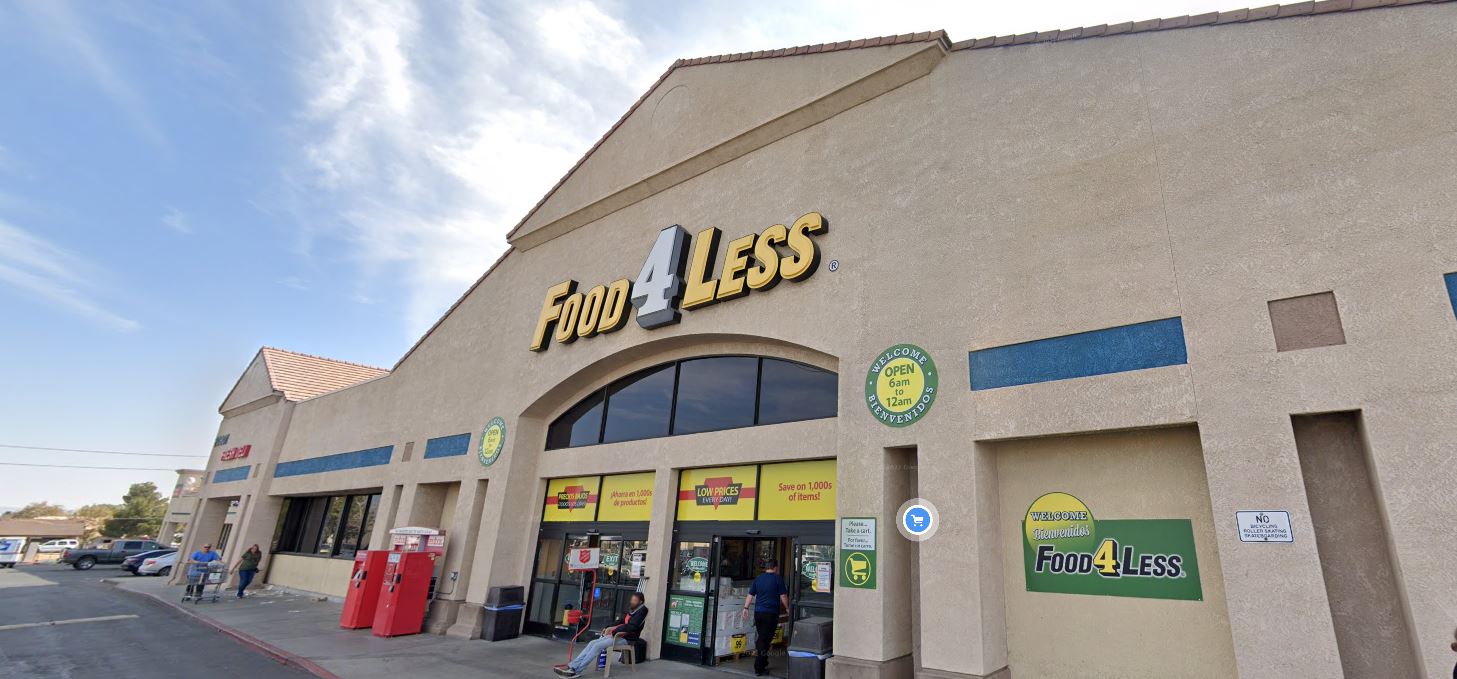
[(1278, 11)]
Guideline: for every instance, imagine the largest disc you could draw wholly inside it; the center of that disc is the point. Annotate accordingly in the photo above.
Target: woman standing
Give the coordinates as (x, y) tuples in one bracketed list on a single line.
[(248, 567)]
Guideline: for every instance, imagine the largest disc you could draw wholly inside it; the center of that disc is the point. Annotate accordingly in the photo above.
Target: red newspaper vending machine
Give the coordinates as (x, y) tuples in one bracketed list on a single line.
[(404, 592), (362, 599)]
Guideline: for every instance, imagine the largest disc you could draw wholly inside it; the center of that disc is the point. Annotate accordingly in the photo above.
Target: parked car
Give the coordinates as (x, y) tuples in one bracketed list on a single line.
[(133, 562), (119, 550), (54, 546), (160, 564)]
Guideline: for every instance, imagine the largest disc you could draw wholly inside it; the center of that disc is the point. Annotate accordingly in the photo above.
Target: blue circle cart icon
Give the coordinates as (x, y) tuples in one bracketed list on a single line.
[(917, 520)]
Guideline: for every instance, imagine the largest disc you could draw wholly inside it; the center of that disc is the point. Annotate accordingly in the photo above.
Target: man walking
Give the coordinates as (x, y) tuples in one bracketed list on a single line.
[(197, 570), (768, 597)]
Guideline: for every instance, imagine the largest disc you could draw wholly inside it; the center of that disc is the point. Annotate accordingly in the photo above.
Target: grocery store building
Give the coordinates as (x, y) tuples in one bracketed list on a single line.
[(1159, 320)]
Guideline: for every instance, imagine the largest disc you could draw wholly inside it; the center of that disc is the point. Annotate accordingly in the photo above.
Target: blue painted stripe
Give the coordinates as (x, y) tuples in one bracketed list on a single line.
[(1452, 289), (447, 446), (332, 463), (232, 474), (1096, 352)]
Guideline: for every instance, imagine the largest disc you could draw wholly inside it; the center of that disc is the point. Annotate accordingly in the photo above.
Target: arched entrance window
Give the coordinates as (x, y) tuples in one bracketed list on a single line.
[(695, 395)]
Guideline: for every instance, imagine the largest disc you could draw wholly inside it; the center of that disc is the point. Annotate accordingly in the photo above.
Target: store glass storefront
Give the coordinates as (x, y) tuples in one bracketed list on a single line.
[(730, 522), (610, 513)]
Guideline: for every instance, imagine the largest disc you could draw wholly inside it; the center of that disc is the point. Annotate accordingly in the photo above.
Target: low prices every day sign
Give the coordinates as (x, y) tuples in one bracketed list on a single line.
[(717, 494), (1065, 550)]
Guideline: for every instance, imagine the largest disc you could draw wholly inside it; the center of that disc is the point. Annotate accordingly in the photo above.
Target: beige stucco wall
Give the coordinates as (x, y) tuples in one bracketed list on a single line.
[(311, 574), (1013, 194), (1150, 474)]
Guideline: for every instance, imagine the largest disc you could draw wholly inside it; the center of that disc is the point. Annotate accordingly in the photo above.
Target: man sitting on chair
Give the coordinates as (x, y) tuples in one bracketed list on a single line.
[(631, 627)]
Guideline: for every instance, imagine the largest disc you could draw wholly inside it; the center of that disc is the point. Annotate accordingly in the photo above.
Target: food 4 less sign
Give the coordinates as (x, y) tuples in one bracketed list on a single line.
[(1065, 550), (755, 262)]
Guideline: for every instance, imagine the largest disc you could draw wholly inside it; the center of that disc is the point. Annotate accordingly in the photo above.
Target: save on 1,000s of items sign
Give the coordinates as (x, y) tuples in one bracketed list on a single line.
[(1065, 550)]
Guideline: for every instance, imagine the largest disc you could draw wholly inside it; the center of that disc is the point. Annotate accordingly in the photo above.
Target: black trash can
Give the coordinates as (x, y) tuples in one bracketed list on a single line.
[(809, 647), (502, 613)]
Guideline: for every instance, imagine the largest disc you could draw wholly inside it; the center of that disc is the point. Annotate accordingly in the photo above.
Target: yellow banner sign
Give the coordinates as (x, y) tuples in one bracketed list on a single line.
[(797, 491), (572, 499), (626, 497), (717, 494)]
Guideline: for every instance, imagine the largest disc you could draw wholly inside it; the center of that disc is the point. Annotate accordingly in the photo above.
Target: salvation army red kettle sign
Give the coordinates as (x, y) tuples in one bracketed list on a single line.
[(584, 559)]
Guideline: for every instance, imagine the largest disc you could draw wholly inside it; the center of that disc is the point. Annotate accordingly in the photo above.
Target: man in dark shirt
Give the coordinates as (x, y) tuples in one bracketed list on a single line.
[(631, 627), (767, 597)]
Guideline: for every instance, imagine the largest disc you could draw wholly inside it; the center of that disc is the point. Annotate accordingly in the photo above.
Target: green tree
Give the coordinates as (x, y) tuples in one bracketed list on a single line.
[(36, 510), (141, 512), (95, 517)]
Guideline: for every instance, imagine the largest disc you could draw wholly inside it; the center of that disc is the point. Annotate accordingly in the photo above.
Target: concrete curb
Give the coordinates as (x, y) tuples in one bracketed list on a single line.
[(283, 657)]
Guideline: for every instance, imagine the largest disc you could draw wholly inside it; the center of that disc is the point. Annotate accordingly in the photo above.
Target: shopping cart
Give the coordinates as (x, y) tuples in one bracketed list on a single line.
[(201, 577)]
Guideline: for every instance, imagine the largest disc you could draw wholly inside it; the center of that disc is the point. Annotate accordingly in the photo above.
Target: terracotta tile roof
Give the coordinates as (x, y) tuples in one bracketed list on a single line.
[(42, 528), (882, 41), (1206, 19), (302, 376)]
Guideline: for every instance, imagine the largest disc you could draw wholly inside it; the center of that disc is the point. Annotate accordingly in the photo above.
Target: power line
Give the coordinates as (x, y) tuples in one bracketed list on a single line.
[(100, 452), (73, 466)]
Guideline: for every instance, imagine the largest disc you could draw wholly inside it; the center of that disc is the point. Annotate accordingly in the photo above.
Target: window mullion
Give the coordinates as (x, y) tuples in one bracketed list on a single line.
[(758, 387), (673, 398)]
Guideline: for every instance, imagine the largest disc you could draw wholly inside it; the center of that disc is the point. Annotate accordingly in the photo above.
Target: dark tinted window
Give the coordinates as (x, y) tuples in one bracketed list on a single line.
[(639, 407), (329, 531), (580, 426), (715, 393), (793, 391), (313, 519), (369, 512), (697, 395), (353, 524)]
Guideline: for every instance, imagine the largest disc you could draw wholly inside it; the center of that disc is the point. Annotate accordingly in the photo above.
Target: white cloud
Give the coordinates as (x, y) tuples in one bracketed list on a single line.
[(294, 282), (49, 273), (587, 37), (177, 220), (430, 130)]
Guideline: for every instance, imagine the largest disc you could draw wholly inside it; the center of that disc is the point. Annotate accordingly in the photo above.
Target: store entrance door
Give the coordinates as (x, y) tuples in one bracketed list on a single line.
[(554, 589), (713, 567)]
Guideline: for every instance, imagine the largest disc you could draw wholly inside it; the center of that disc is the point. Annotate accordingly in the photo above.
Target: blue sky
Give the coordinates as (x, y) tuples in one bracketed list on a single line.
[(184, 182)]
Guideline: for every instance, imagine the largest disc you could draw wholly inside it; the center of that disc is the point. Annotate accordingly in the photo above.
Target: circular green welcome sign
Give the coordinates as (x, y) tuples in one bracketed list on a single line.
[(493, 439), (901, 385)]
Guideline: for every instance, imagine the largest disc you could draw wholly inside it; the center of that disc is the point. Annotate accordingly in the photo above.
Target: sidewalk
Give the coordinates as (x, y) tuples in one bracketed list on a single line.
[(305, 632)]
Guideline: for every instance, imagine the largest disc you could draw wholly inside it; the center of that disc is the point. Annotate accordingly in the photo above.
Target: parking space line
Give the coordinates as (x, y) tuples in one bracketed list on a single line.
[(72, 621)]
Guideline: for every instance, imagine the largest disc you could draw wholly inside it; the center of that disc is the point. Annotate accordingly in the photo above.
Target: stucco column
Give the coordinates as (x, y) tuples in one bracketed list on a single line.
[(206, 522), (877, 643), (449, 608), (660, 554), (164, 534), (477, 579), (389, 504), (966, 583), (255, 525), (1275, 593)]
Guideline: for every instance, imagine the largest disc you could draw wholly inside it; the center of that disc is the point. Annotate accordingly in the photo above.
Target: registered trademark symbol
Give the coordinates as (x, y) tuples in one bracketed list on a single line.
[(834, 265)]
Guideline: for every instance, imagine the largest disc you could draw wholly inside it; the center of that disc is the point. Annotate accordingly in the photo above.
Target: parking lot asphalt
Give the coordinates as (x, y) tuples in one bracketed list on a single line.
[(63, 623)]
